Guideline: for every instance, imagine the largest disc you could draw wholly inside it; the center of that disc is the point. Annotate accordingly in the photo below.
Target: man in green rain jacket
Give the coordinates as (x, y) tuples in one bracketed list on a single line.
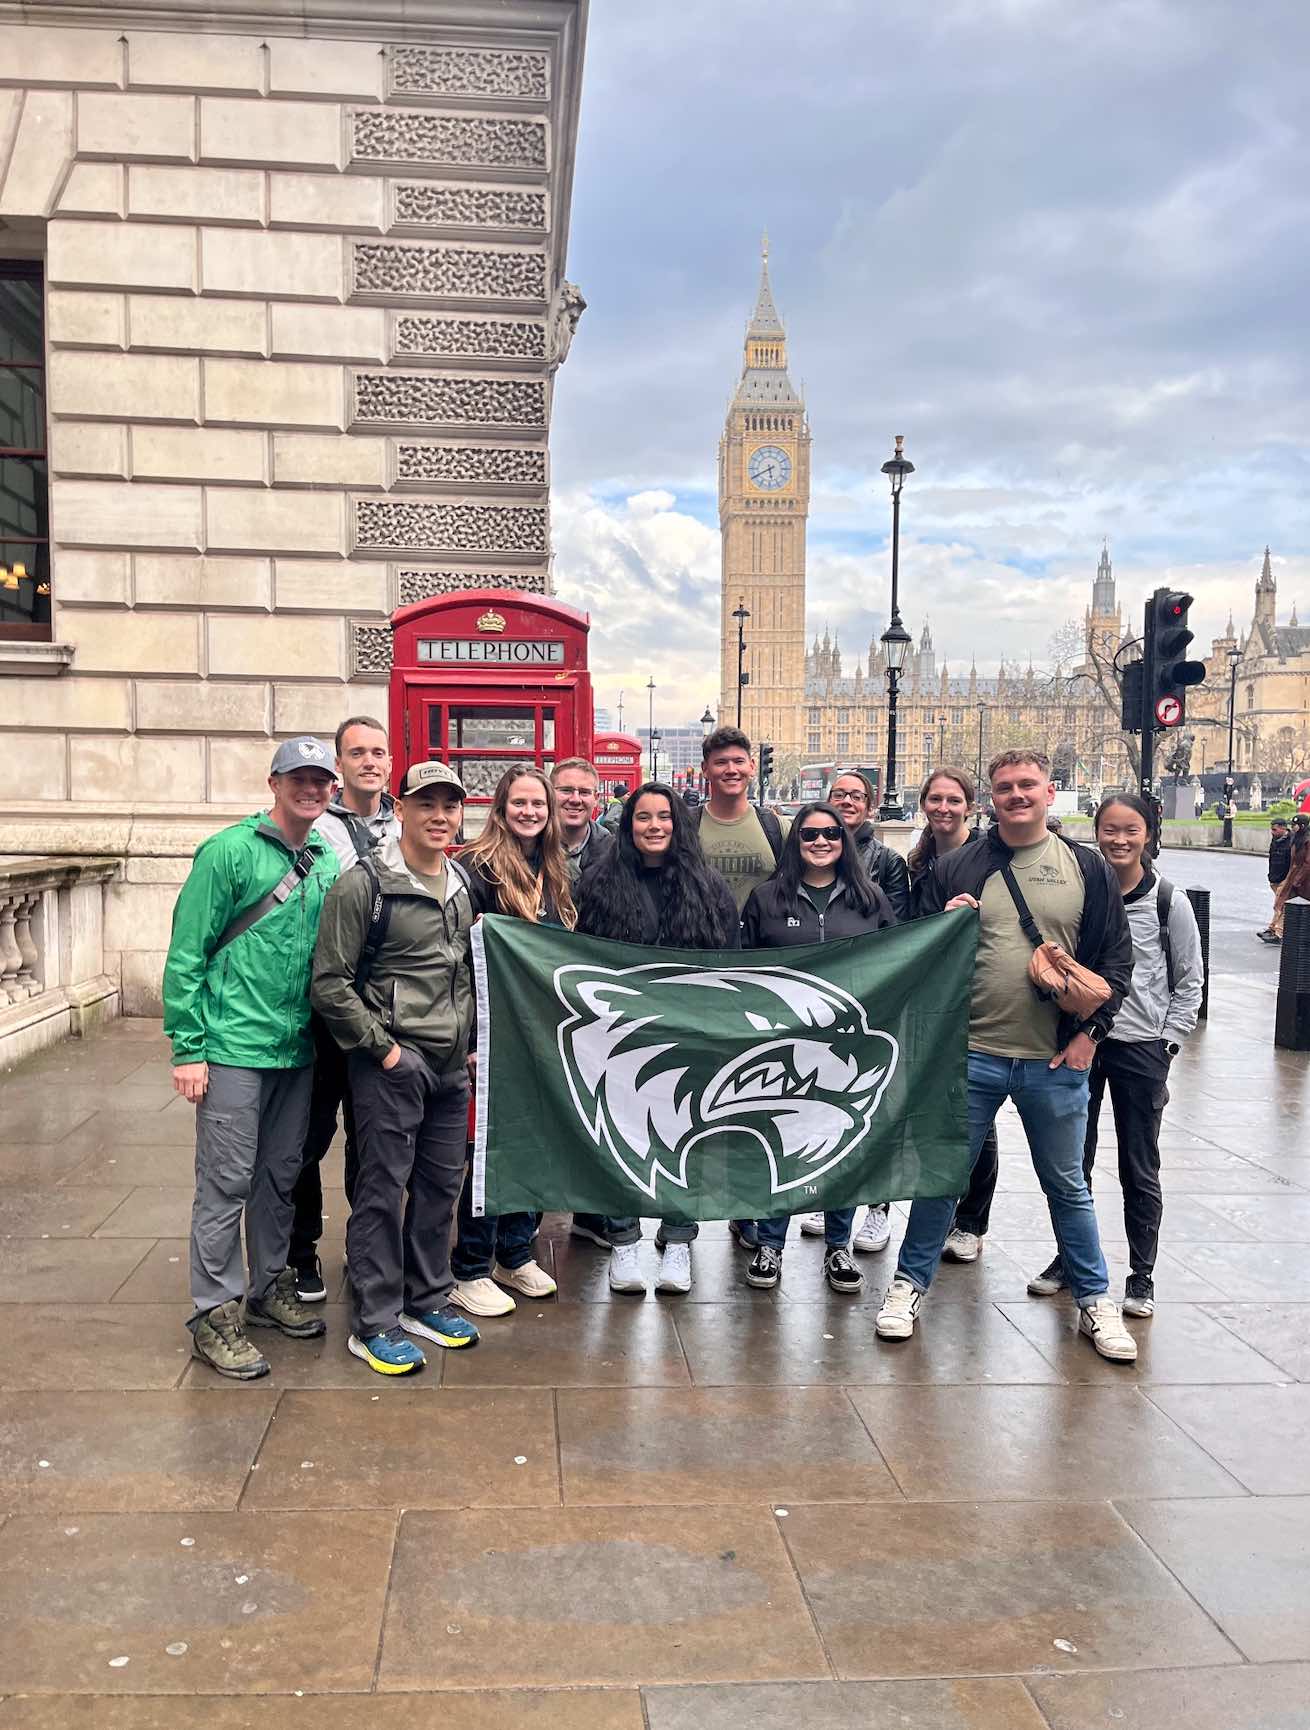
[(236, 1007)]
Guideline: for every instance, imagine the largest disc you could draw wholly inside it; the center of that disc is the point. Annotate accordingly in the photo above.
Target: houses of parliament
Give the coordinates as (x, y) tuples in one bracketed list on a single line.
[(802, 698)]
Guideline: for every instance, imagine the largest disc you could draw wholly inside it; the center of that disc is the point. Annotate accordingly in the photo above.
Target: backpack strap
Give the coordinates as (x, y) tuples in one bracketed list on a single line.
[(1163, 897), (1026, 919), (301, 867), (362, 838), (772, 830), (379, 918)]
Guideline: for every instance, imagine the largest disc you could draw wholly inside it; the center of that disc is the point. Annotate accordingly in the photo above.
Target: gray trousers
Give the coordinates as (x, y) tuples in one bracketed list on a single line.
[(411, 1125), (250, 1128)]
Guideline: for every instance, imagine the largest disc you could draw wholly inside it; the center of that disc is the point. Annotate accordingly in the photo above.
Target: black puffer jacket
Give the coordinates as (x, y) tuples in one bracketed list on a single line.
[(768, 923), (887, 870), (1105, 943)]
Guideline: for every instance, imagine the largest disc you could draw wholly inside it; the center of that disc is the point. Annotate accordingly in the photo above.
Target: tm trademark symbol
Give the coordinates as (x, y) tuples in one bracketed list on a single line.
[(811, 1189)]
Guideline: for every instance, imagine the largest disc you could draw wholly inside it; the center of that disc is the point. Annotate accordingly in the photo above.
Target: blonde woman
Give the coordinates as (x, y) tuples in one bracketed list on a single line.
[(518, 867)]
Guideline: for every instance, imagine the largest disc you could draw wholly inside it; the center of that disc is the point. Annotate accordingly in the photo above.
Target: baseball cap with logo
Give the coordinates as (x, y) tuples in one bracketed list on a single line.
[(430, 774), (305, 752)]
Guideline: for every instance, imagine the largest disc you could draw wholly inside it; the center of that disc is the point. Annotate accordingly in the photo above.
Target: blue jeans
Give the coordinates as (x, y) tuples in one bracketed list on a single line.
[(624, 1231), (1052, 1105), (506, 1239), (837, 1222)]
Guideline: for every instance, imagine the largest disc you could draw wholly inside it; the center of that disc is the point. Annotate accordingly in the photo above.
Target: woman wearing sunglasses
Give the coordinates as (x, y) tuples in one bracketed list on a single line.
[(820, 890)]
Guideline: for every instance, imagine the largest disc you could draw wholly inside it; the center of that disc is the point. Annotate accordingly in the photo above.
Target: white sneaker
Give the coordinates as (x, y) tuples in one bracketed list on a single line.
[(900, 1310), (812, 1224), (531, 1280), (1101, 1321), (962, 1246), (675, 1268), (481, 1298), (625, 1268), (876, 1231)]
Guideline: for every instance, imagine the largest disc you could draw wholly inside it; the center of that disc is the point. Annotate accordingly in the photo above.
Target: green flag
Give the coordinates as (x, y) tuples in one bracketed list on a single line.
[(719, 1084)]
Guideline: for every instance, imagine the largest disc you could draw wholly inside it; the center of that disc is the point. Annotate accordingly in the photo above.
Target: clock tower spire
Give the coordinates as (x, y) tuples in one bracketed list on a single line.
[(764, 498)]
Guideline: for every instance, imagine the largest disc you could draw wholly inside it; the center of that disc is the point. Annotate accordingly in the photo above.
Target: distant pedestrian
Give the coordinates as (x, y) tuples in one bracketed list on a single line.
[(1297, 880), (1280, 863)]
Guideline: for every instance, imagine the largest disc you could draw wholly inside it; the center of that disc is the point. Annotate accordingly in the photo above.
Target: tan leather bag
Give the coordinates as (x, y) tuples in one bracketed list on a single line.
[(1052, 972)]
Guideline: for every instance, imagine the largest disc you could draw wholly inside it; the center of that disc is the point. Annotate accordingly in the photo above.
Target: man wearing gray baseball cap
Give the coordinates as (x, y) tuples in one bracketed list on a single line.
[(236, 1007)]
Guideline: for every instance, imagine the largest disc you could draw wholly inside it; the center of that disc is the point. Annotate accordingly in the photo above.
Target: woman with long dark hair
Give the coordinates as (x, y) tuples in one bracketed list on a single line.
[(516, 866), (1133, 1059), (820, 890), (654, 887)]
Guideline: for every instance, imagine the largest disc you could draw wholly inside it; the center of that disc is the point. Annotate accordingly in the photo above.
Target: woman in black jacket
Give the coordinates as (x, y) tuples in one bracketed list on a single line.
[(819, 891), (851, 796), (654, 887)]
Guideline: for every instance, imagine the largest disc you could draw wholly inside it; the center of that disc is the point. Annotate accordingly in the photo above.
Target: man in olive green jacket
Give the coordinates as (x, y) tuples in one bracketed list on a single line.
[(392, 982), (236, 1007)]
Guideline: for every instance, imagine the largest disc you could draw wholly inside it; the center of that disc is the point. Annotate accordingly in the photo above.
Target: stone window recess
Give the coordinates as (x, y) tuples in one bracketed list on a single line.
[(394, 271), (524, 75), (432, 204), (370, 652), (512, 465), (470, 338), (420, 523), (419, 584), (406, 139), (445, 399)]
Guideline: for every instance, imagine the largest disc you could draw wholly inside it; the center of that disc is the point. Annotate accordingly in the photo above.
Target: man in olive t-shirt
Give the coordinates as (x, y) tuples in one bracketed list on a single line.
[(1006, 1017), (732, 834)]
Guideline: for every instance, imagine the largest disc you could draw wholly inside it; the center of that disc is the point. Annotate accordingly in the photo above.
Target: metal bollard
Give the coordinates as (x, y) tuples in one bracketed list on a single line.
[(1292, 1011), (1200, 899)]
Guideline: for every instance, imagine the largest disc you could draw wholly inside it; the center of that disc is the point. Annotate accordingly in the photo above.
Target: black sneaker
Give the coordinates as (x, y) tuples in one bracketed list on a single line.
[(1139, 1295), (765, 1267), (1049, 1281), (841, 1272), (309, 1282), (746, 1232)]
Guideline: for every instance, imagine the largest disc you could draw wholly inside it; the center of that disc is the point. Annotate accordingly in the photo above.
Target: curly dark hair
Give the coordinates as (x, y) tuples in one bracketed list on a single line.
[(850, 870), (612, 901)]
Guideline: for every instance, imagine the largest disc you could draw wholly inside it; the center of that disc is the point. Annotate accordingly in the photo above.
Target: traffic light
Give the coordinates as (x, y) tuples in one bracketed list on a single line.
[(1171, 671), (766, 764), (1130, 698)]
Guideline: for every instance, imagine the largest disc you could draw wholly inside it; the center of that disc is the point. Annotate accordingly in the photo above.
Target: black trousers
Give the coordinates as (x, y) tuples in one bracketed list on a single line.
[(974, 1208), (331, 1093), (1137, 1074)]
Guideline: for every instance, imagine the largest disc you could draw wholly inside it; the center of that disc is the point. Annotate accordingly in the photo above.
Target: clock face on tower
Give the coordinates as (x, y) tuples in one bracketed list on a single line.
[(769, 468)]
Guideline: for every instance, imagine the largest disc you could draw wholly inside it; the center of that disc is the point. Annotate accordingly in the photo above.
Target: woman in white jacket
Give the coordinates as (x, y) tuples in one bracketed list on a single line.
[(1133, 1060)]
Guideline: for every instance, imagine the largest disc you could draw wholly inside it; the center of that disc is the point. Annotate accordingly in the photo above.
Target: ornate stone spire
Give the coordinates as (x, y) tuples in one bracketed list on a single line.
[(765, 323), (1266, 574)]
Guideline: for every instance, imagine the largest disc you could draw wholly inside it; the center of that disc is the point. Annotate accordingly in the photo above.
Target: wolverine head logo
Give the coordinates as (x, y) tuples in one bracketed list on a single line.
[(664, 1058)]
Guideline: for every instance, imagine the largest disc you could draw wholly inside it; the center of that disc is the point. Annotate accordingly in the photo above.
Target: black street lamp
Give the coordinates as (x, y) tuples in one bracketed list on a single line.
[(977, 815), (1234, 662), (650, 724), (706, 728), (895, 639), (655, 738), (741, 615)]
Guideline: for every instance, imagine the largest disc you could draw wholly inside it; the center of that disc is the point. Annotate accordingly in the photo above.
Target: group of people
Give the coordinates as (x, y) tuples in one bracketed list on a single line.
[(319, 966), (1289, 869)]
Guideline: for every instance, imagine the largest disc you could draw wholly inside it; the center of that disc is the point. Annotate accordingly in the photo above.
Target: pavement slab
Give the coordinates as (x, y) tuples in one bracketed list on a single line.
[(1281, 1331), (966, 1703), (1250, 1697), (574, 1345), (1179, 1343), (90, 1346), (1257, 1434), (480, 1709)]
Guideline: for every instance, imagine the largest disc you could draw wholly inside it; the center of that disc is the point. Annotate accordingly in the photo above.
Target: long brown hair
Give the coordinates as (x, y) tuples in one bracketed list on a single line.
[(924, 851), (523, 892)]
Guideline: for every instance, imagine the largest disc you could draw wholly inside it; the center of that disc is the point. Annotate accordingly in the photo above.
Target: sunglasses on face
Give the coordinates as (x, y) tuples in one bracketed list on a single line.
[(828, 833)]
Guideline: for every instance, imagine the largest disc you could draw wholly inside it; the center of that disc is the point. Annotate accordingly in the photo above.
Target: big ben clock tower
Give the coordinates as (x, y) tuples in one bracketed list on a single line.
[(764, 499)]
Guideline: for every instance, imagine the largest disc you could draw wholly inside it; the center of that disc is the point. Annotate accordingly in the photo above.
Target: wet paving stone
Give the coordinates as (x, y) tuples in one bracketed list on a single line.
[(970, 1703), (685, 1446), (77, 1347), (551, 1344), (409, 1446), (1280, 1331), (151, 1212), (594, 1595), (38, 1212), (482, 1709), (1257, 1434), (76, 1593), (1179, 1343), (66, 1269), (1244, 1697), (931, 1589), (42, 1164)]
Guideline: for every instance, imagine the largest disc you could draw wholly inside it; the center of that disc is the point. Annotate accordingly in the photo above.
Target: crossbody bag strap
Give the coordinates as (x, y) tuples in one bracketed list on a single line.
[(1026, 919), (1163, 898), (301, 867)]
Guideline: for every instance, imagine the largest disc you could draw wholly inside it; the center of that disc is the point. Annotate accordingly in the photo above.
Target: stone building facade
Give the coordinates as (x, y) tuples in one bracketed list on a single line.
[(1271, 717), (301, 301)]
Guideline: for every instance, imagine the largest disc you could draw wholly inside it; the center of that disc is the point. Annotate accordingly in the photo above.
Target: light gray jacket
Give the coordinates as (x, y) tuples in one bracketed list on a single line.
[(1149, 1011)]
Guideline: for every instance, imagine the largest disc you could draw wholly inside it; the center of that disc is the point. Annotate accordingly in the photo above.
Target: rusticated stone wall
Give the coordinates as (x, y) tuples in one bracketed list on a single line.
[(304, 316)]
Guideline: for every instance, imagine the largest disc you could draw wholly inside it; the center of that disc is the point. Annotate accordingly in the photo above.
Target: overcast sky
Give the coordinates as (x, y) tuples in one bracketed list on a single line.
[(1061, 245)]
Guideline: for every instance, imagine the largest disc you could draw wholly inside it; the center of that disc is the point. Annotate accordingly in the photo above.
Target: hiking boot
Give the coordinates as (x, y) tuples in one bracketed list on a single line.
[(219, 1340), (745, 1232), (675, 1268), (1101, 1322), (309, 1282), (482, 1297), (841, 1272), (280, 1308), (900, 1310), (765, 1267), (625, 1269), (389, 1353), (1139, 1295), (961, 1246), (812, 1224), (1049, 1281), (529, 1278), (876, 1231), (442, 1326)]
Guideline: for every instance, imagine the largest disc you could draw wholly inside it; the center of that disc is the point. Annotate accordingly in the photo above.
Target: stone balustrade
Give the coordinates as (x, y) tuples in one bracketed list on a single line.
[(52, 956)]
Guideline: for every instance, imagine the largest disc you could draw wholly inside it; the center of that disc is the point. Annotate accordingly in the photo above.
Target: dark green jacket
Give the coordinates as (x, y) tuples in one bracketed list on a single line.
[(247, 1006), (420, 991)]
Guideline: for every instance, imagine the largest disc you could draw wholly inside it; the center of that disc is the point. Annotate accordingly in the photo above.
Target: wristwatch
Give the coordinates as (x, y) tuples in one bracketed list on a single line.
[(1095, 1033), (1172, 1048)]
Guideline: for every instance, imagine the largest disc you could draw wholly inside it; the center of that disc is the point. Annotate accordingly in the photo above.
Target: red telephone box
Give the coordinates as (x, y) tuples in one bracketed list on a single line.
[(618, 758), (486, 678)]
